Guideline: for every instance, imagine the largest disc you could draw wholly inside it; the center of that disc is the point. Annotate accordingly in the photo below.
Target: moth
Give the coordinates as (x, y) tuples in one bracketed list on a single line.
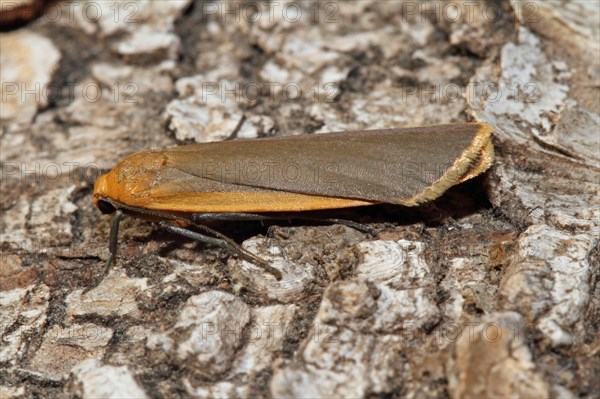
[(258, 179)]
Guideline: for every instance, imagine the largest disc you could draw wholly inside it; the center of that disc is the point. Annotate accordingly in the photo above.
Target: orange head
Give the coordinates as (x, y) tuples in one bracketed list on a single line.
[(130, 181)]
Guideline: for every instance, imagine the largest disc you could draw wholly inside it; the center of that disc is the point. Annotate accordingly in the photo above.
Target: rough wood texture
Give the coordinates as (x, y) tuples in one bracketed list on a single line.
[(491, 291)]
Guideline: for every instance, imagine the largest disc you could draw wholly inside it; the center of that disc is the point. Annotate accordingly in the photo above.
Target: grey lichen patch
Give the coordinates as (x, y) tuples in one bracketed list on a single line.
[(399, 264), (210, 106), (572, 32), (210, 331), (264, 338), (63, 347), (528, 94), (555, 201), (149, 43), (266, 335), (404, 280), (109, 19), (24, 313), (377, 309), (549, 281), (114, 296), (13, 392), (14, 224), (202, 123), (294, 284), (50, 217), (572, 134), (461, 283), (28, 61), (337, 368), (304, 256), (478, 26), (132, 82), (92, 378), (493, 360), (343, 356), (194, 274)]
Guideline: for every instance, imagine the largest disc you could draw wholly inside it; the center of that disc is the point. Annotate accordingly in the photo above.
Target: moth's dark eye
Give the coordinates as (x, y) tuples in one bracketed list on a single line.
[(106, 207)]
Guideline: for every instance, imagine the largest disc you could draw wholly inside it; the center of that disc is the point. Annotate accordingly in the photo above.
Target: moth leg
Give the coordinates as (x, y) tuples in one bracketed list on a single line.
[(354, 225), (363, 228), (225, 244), (202, 217), (199, 217), (112, 248), (237, 128)]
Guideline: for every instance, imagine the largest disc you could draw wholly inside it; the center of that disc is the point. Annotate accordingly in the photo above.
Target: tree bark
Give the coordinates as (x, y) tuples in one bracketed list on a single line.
[(490, 291)]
